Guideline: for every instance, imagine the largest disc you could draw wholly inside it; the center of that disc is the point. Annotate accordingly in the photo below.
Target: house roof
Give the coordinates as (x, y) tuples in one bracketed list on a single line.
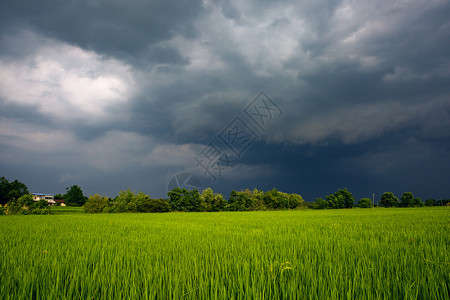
[(40, 194)]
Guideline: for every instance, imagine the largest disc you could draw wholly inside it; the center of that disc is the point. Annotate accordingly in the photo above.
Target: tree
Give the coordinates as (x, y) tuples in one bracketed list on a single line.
[(431, 202), (418, 202), (349, 200), (184, 200), (95, 204), (11, 190), (239, 201), (149, 205), (74, 196), (365, 203), (388, 200), (212, 201), (26, 200), (335, 201), (25, 205), (274, 199), (407, 200), (321, 203), (257, 200)]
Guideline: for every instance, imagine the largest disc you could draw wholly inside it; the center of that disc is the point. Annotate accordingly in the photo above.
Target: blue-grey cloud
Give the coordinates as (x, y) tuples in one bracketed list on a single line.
[(107, 94)]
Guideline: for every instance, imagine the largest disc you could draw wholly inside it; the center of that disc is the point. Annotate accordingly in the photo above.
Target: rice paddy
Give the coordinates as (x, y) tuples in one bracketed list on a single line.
[(304, 254)]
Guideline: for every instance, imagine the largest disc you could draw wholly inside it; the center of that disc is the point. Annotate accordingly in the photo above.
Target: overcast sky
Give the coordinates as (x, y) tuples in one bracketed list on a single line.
[(111, 95)]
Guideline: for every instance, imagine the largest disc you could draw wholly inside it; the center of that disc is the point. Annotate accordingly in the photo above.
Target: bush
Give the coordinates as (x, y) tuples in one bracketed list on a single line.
[(153, 205), (389, 200), (365, 203), (95, 204), (211, 201), (320, 203)]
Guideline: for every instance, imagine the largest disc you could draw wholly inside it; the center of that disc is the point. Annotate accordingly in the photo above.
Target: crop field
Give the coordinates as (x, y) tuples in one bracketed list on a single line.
[(305, 254)]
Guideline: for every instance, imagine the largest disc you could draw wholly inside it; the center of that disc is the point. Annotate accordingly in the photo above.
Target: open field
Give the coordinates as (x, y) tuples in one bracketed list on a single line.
[(59, 210), (309, 254)]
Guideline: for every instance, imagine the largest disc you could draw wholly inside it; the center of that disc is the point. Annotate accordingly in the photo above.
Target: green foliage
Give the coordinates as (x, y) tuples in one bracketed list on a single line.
[(335, 201), (27, 201), (258, 200), (430, 202), (154, 205), (349, 200), (10, 191), (212, 201), (74, 196), (342, 198), (320, 203), (389, 200), (184, 200), (296, 201), (26, 206), (239, 201), (365, 203), (95, 204), (408, 200), (128, 201)]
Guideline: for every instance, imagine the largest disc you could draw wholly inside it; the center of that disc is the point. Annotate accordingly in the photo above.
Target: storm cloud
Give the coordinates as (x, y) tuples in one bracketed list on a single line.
[(112, 95)]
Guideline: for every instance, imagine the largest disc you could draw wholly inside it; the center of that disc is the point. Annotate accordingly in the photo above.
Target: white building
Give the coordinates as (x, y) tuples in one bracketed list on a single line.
[(48, 197)]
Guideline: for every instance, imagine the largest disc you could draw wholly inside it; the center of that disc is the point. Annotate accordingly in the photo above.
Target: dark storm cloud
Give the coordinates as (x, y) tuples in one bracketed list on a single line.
[(118, 28), (363, 87)]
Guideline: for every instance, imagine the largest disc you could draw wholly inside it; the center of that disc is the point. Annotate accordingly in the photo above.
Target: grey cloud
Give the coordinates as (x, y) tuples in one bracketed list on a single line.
[(113, 28), (356, 82)]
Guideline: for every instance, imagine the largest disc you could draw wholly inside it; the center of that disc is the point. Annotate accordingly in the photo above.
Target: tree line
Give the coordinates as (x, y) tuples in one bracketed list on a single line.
[(344, 199), (183, 200), (15, 199)]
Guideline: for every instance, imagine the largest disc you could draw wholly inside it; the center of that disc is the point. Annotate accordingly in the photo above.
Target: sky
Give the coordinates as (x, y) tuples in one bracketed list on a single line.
[(303, 96)]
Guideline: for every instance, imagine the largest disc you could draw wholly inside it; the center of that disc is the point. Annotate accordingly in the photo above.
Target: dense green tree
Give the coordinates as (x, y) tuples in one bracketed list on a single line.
[(407, 200), (388, 200), (184, 200), (128, 201), (239, 201), (335, 201), (11, 190), (257, 200), (272, 199), (342, 198), (295, 201), (431, 202), (418, 202), (149, 205), (74, 196), (275, 199), (320, 203), (95, 204), (365, 203), (27, 201), (212, 201), (349, 200), (25, 205)]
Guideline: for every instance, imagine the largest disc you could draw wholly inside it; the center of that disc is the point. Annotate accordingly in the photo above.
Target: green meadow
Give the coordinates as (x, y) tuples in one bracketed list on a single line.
[(398, 253)]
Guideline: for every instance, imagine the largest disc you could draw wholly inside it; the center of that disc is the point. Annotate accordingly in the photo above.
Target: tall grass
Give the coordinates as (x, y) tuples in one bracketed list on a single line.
[(331, 254)]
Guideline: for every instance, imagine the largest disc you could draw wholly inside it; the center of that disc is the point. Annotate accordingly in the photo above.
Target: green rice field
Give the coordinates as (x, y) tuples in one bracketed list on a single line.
[(400, 253)]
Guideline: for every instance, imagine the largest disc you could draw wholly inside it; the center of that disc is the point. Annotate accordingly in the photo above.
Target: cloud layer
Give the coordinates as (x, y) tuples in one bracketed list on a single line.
[(111, 95)]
